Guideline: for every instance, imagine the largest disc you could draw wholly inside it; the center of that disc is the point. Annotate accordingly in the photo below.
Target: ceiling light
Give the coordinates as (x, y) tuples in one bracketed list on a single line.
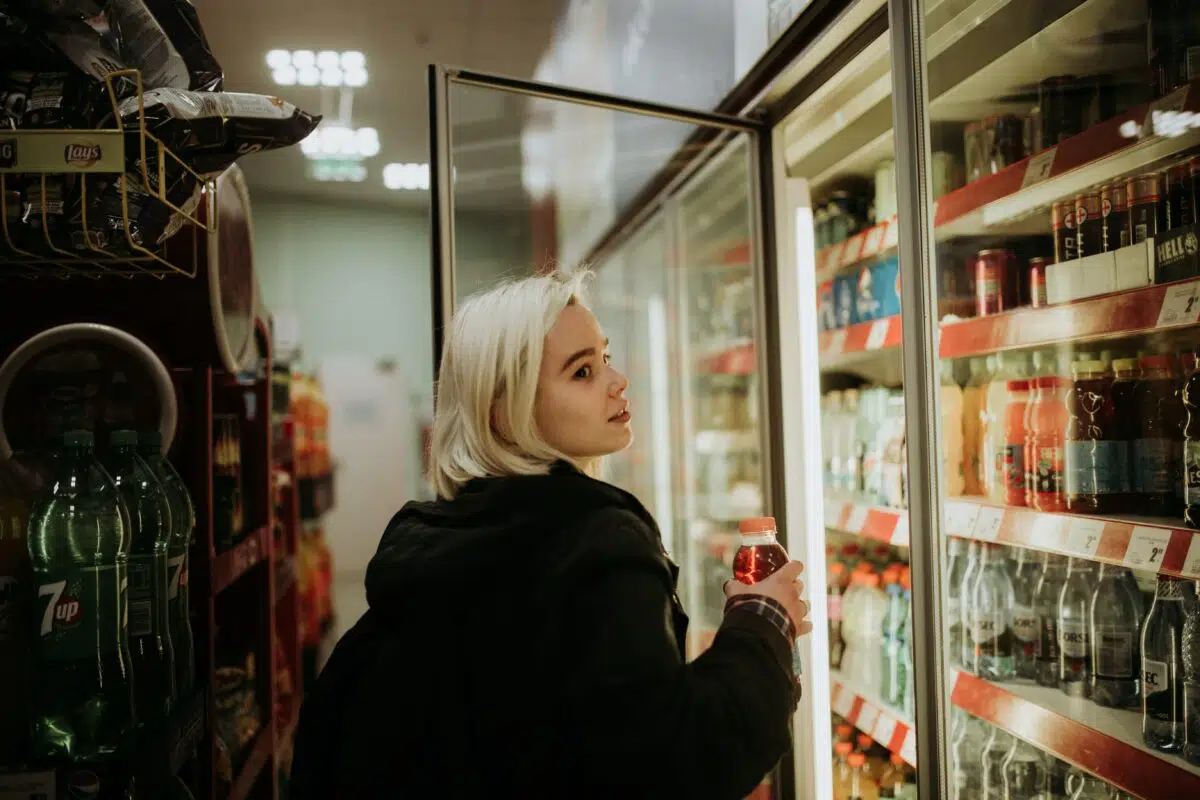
[(327, 59), (304, 58), (338, 140), (308, 76), (331, 77), (410, 177), (352, 59), (278, 59), (367, 141), (285, 76), (337, 170), (327, 68), (355, 77)]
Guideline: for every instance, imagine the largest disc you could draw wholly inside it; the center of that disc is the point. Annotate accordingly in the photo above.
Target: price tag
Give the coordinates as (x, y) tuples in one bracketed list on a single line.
[(1047, 531), (1147, 546), (844, 701), (987, 524), (874, 240), (1191, 564), (1039, 167), (968, 513), (1083, 537), (837, 343), (1181, 305), (858, 518), (868, 715), (885, 729), (891, 236), (900, 532), (908, 751), (878, 334)]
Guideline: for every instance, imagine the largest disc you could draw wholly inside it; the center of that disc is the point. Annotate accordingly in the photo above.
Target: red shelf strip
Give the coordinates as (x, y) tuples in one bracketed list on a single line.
[(234, 562), (880, 334), (1126, 766), (872, 242), (882, 724), (888, 525)]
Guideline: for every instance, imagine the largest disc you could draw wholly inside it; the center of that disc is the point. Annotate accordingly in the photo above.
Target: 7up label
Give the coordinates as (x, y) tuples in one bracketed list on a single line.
[(80, 612)]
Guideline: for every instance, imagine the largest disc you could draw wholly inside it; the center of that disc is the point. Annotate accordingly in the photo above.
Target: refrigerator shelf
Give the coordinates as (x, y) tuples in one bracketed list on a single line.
[(1104, 741), (235, 562), (886, 725), (1147, 544), (862, 246), (887, 525), (842, 347)]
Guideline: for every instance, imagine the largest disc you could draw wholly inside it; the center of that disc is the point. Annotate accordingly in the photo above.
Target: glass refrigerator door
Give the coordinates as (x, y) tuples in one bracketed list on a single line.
[(1068, 400)]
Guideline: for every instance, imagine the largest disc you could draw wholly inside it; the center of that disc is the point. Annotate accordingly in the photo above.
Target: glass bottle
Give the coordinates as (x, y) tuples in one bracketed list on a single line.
[(1074, 651), (998, 744), (956, 550), (966, 768), (1162, 667), (992, 604), (966, 615), (1025, 774), (1115, 624), (1026, 576), (1045, 606), (1190, 640)]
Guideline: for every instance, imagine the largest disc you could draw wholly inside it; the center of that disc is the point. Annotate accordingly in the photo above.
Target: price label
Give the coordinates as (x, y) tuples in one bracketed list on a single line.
[(908, 751), (878, 334), (1191, 564), (1147, 546), (844, 701), (988, 522), (851, 250), (837, 343), (1039, 167), (858, 518), (900, 532), (1181, 305), (1083, 537), (868, 715), (1047, 531), (968, 514), (891, 236), (874, 240), (885, 729)]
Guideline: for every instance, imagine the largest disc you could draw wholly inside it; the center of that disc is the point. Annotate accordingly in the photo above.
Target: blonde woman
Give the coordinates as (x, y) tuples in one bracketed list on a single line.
[(524, 638)]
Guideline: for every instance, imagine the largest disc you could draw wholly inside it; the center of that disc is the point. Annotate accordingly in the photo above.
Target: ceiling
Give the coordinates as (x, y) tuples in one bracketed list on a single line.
[(399, 38)]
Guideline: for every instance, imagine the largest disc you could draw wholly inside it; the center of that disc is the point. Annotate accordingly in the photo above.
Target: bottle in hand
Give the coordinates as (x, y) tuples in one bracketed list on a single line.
[(758, 557)]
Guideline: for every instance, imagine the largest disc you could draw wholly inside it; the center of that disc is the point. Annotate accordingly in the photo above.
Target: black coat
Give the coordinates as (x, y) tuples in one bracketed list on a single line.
[(524, 640)]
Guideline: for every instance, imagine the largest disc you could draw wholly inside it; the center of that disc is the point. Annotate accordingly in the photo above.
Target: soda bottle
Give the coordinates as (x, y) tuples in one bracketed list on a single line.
[(843, 732), (1046, 442), (833, 601), (966, 768), (1155, 447), (82, 702), (894, 640), (1187, 368), (1014, 442), (955, 446), (1025, 772), (858, 776), (1125, 379), (1045, 605), (183, 523), (1074, 650), (957, 554), (1191, 449), (14, 643), (1115, 622), (1024, 616), (758, 557), (842, 773), (966, 609), (1096, 453), (1190, 639), (1162, 667), (992, 767), (992, 603), (149, 533), (974, 415)]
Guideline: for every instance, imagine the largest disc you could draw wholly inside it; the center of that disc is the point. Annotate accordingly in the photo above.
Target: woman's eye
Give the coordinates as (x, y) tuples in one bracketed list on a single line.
[(584, 372)]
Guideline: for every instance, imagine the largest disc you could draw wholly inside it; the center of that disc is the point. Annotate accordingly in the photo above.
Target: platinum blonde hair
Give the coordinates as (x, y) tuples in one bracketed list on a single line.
[(484, 422)]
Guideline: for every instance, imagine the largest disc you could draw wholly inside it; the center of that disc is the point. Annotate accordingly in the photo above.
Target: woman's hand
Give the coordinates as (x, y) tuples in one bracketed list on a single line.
[(784, 587)]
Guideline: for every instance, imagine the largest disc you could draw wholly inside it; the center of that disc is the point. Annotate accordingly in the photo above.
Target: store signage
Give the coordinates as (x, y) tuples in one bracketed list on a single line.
[(8, 153), (1176, 255), (82, 155)]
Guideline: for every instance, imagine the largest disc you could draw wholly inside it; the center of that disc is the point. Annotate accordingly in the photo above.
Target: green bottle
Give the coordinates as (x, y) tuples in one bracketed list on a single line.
[(183, 523), (149, 519), (81, 701)]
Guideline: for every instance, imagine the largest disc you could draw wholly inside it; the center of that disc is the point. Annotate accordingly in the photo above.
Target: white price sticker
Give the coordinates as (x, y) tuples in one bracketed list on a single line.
[(885, 728), (953, 515), (837, 343), (966, 522), (1047, 531), (874, 240), (900, 532), (891, 236), (1191, 564), (1181, 305), (844, 701), (908, 751), (852, 249), (1147, 546), (1083, 537), (1039, 167), (878, 334), (988, 523), (858, 518), (868, 715)]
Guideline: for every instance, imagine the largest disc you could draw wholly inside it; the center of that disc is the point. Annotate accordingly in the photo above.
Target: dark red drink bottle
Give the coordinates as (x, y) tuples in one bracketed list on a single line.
[(758, 557)]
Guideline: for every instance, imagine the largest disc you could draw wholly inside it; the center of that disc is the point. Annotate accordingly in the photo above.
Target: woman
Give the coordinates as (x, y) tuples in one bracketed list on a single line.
[(524, 638)]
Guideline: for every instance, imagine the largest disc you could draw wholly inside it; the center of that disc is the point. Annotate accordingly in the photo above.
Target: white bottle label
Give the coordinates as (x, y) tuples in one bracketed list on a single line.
[(987, 628), (1073, 638), (1156, 677), (1025, 623), (1114, 653)]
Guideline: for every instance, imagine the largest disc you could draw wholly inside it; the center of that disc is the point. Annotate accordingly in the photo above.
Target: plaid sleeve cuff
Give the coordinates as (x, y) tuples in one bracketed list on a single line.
[(768, 609)]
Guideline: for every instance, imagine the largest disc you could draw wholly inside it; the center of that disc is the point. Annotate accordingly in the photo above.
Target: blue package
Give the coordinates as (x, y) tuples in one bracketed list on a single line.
[(885, 286), (826, 315), (866, 307), (844, 292)]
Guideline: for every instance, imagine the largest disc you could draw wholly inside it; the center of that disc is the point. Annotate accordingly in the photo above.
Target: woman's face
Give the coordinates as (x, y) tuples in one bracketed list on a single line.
[(581, 408)]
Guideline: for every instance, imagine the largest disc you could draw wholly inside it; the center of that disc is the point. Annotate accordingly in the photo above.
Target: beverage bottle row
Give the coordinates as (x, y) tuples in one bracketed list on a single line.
[(1095, 436), (1083, 627), (987, 763), (100, 587), (865, 770), (863, 441)]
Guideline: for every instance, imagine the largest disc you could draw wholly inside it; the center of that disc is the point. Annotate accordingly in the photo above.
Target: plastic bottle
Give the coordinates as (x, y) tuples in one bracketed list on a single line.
[(966, 767), (1014, 442), (1045, 605), (1187, 368), (14, 633), (833, 600), (1156, 445), (1115, 623), (842, 773), (1097, 459), (995, 750), (991, 429), (1074, 646), (1047, 440), (1162, 667), (872, 608), (966, 611), (850, 449), (895, 631), (974, 412), (760, 555), (831, 413), (1025, 619), (956, 554), (992, 604), (82, 702), (858, 777), (954, 444), (1025, 774), (890, 630)]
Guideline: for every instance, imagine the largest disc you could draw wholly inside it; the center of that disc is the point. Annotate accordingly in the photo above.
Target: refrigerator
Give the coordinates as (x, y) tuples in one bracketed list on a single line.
[(993, 379)]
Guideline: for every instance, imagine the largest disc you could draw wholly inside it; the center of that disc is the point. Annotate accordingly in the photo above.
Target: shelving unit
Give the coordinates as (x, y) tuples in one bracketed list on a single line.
[(862, 709), (887, 525)]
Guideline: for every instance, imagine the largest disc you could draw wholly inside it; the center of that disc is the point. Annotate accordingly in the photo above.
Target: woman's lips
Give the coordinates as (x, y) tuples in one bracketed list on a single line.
[(623, 417)]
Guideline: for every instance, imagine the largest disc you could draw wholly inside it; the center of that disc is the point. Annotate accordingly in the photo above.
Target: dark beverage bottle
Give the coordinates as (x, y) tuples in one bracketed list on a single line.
[(149, 525), (1155, 447), (1162, 667), (1125, 378), (1024, 617), (758, 557), (1074, 649), (1191, 448), (1190, 640), (82, 702), (1187, 368), (1115, 617), (1096, 453), (1045, 606), (183, 523), (14, 640)]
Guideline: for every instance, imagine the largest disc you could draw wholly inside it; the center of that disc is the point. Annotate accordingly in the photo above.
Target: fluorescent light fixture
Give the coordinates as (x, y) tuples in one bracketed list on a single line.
[(408, 177), (327, 68), (340, 141), (337, 170)]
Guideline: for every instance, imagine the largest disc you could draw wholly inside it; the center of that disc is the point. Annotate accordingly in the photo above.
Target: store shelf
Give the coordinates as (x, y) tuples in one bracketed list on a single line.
[(862, 246), (843, 346), (1104, 741), (736, 359), (1152, 308), (1138, 543), (259, 755), (865, 711), (237, 560), (718, 442), (888, 525)]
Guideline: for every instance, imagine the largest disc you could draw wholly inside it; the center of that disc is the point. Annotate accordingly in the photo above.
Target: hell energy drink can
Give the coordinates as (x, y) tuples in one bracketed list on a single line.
[(1089, 225), (1147, 213), (1114, 205), (1063, 220)]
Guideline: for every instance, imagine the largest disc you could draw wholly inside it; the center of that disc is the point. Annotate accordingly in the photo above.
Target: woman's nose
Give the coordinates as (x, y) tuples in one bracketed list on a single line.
[(620, 382)]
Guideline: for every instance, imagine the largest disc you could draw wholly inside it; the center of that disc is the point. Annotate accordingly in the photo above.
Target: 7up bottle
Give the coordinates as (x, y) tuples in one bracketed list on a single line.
[(82, 698)]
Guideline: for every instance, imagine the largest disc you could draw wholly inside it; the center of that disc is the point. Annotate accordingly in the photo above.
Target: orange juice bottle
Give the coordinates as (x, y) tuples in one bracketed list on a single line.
[(1014, 442), (1047, 436)]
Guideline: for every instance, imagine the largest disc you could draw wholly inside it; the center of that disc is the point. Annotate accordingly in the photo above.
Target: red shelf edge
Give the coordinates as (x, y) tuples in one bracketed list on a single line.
[(856, 338), (1117, 762), (232, 564), (897, 742), (261, 752)]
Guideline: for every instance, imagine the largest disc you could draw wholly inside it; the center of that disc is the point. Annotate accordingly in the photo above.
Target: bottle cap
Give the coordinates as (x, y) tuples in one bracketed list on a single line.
[(897, 759), (1089, 368), (857, 759), (906, 578), (123, 438), (843, 748), (757, 525), (865, 741), (871, 579), (837, 568), (844, 730), (79, 439)]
